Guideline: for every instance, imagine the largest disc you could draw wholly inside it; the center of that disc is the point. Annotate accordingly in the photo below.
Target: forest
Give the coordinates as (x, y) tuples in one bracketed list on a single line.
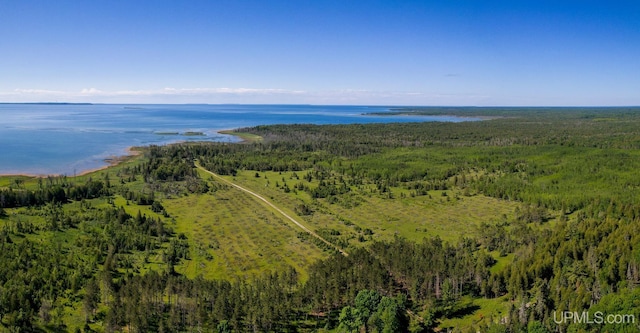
[(500, 225)]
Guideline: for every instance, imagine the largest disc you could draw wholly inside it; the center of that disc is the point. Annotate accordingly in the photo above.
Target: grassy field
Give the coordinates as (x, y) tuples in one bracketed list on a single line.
[(448, 216), (445, 214), (231, 234)]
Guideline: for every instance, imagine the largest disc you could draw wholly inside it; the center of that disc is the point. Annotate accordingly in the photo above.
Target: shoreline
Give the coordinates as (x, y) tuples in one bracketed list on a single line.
[(111, 161), (131, 152), (244, 137), (114, 160)]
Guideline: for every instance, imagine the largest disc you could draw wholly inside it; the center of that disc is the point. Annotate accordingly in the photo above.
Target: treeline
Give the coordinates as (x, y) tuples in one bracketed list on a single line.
[(574, 127), (163, 166), (67, 191), (10, 198), (162, 302), (427, 277)]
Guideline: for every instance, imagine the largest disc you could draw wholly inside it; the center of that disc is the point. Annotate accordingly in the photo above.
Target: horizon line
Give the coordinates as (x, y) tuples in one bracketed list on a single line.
[(329, 104)]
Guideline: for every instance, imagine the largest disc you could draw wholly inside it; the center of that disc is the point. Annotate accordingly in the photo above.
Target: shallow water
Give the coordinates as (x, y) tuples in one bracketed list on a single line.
[(68, 139)]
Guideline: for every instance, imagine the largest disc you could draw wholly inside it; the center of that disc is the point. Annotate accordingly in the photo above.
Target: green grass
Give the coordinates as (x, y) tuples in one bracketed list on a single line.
[(14, 181), (448, 217), (246, 137), (232, 234), (419, 217), (501, 262), (486, 311)]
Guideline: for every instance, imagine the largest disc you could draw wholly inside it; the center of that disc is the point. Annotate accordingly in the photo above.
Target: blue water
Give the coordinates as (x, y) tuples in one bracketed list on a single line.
[(68, 139)]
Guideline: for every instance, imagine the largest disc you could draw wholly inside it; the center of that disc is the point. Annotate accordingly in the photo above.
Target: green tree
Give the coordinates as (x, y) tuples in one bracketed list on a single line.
[(91, 298), (389, 316), (367, 304), (223, 327), (349, 319), (536, 327)]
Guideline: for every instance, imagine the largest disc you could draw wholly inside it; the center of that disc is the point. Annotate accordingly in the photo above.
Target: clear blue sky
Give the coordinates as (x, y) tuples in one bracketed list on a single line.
[(321, 52)]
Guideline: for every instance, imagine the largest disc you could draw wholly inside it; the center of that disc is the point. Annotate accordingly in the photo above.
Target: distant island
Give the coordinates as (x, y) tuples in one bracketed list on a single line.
[(193, 133), (188, 133), (167, 133), (498, 111)]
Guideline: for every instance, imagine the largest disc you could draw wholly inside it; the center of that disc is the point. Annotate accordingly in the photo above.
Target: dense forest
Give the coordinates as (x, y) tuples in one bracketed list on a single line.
[(100, 253)]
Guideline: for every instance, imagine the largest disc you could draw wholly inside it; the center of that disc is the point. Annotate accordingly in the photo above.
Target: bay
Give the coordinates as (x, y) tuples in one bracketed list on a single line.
[(42, 139)]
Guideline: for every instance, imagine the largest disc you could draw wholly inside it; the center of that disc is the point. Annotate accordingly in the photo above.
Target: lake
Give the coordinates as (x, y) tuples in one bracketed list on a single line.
[(67, 139)]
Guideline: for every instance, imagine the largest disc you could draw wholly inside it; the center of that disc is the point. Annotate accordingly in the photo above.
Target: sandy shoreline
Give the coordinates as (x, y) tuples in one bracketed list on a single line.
[(111, 161)]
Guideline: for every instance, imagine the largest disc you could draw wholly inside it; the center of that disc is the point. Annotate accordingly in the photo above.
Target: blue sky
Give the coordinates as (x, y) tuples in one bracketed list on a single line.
[(322, 52)]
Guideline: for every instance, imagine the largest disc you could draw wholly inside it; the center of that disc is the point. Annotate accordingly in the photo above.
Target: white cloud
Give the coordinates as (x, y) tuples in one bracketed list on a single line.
[(241, 96), (190, 91), (90, 91), (34, 92), (183, 91)]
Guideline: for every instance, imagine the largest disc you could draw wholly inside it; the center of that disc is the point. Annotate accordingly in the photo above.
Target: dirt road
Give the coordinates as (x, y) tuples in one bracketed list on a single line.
[(263, 199)]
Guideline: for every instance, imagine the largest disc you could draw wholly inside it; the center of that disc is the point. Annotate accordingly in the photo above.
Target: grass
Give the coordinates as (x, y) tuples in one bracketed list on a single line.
[(428, 216), (479, 312), (448, 216), (502, 262), (245, 137), (231, 234), (13, 181)]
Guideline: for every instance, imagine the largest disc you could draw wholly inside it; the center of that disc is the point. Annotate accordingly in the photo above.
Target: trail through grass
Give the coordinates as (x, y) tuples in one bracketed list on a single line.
[(287, 216)]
